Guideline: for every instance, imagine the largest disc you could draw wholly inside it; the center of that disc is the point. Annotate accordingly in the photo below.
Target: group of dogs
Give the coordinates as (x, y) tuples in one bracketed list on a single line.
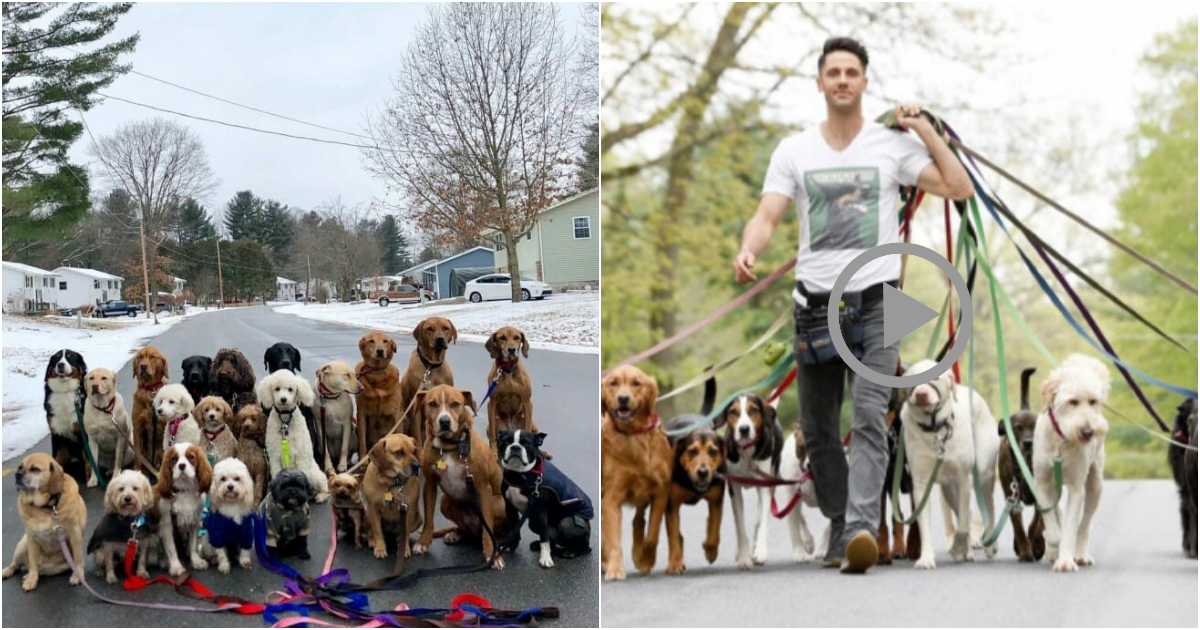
[(225, 450), (657, 471)]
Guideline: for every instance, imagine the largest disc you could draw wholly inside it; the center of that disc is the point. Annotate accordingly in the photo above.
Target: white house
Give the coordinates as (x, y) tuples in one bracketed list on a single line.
[(285, 290), (79, 287), (378, 283), (29, 289), (179, 282)]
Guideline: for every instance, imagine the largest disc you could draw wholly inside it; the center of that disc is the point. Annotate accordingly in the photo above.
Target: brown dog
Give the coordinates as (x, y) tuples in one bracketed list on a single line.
[(252, 447), (43, 488), (1029, 545), (636, 468), (232, 377), (150, 370), (512, 385), (215, 416), (699, 458), (453, 458), (427, 366), (379, 403), (345, 496), (391, 492)]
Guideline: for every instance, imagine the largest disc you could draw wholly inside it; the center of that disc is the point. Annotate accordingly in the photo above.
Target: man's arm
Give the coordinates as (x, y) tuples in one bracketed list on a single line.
[(757, 235), (946, 177)]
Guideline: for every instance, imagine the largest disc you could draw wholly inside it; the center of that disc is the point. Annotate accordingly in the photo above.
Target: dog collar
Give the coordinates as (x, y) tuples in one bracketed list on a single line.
[(508, 367), (109, 409), (429, 365), (1054, 423), (1180, 436), (325, 393), (366, 369), (749, 444), (212, 435), (531, 478), (153, 387), (174, 426), (649, 427)]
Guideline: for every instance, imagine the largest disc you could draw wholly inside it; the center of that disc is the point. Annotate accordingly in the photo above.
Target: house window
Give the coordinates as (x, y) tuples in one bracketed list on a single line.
[(95, 284), (62, 285), (583, 227), (28, 282), (529, 235)]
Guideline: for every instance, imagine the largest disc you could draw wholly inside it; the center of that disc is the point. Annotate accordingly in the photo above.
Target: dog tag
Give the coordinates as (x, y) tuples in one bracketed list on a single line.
[(387, 496), (286, 455), (441, 465)]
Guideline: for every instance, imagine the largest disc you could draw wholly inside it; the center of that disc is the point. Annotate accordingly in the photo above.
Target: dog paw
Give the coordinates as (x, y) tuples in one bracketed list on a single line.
[(30, 582), (380, 551), (93, 482), (9, 571), (800, 556), (675, 568), (321, 497), (407, 551), (420, 548), (341, 467), (452, 537), (145, 575), (710, 552), (926, 563), (74, 581), (99, 572), (111, 578), (245, 563), (498, 563), (744, 562), (760, 557), (1065, 565), (223, 567), (546, 562), (199, 563), (1026, 556), (990, 551), (176, 569), (1086, 560), (614, 572)]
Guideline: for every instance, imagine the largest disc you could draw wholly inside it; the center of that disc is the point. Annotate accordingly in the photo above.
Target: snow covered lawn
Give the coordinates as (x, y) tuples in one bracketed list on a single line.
[(28, 343), (567, 322)]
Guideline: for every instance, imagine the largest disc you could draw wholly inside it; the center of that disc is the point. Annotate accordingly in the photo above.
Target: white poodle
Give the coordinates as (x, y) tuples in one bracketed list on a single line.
[(942, 410), (1071, 424), (229, 523), (283, 392), (173, 405)]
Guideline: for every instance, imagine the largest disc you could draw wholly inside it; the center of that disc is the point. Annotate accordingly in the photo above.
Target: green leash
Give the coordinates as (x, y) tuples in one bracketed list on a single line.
[(87, 447), (781, 369), (898, 472)]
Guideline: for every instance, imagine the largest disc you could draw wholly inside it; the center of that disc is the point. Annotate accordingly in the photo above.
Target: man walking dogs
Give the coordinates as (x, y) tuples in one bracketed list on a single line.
[(843, 176)]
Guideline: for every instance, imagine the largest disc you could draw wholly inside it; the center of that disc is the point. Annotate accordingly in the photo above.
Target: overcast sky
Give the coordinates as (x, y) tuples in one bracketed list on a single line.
[(327, 64)]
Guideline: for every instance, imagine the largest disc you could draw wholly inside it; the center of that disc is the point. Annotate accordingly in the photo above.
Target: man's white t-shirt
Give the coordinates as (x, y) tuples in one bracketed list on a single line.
[(846, 201)]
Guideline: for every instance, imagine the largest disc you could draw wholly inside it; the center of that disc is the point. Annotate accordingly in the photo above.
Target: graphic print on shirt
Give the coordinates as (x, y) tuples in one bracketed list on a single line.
[(843, 208)]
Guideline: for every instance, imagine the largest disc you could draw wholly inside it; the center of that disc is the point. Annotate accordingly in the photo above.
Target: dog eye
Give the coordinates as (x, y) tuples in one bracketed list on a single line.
[(34, 469), (636, 383), (713, 451), (455, 405)]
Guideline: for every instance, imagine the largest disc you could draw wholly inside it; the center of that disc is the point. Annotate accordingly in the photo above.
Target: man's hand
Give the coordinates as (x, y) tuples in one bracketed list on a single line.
[(908, 116), (742, 266)]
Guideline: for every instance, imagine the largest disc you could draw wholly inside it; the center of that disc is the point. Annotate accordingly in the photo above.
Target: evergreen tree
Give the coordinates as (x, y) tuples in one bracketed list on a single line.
[(276, 230), (394, 256), (192, 223), (249, 274), (44, 192), (588, 175), (243, 216)]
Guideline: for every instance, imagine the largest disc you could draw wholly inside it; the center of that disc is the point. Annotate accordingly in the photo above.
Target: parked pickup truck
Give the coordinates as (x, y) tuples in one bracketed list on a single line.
[(400, 293), (117, 307)]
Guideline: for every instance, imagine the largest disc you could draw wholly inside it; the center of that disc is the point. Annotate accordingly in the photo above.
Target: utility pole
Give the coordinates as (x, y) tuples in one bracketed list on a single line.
[(145, 268), (220, 279), (308, 282)]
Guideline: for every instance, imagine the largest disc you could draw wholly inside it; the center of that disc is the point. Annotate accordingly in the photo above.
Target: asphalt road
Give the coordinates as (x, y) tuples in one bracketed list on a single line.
[(565, 397), (1141, 578)]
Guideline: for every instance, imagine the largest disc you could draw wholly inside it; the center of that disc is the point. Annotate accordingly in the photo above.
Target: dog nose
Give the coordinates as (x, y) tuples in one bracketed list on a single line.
[(416, 468), (182, 466), (623, 399), (283, 399), (127, 500), (512, 352), (443, 424), (1087, 433), (229, 486), (703, 473), (379, 353), (286, 365), (744, 430)]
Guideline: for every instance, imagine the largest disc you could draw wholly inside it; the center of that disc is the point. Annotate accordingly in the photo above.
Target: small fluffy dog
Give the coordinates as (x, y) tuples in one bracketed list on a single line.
[(106, 422), (794, 464), (1071, 425), (229, 524), (150, 369), (336, 388), (43, 487), (252, 447), (232, 378), (286, 511), (1029, 545), (215, 416), (345, 495), (127, 514), (940, 411), (756, 447), (1177, 456), (64, 395), (391, 493), (183, 479), (635, 468), (285, 356), (195, 375), (559, 512), (512, 381), (173, 406), (283, 392)]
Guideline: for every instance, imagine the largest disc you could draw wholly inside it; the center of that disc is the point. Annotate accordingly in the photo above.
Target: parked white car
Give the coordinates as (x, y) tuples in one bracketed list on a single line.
[(498, 286)]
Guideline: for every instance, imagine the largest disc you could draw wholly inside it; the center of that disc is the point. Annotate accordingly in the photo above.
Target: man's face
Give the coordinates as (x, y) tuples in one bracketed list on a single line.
[(842, 82)]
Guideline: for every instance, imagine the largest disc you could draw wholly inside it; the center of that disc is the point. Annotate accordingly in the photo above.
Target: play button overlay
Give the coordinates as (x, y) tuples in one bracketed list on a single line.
[(901, 315)]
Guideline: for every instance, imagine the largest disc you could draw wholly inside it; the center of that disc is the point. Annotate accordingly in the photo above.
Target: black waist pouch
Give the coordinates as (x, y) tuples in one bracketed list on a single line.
[(814, 343)]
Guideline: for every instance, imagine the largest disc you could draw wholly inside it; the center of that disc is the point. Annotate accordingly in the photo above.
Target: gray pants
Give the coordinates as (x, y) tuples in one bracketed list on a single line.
[(849, 498)]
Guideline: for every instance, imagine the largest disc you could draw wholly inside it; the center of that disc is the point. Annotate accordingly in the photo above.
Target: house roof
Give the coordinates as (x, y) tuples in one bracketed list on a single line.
[(421, 267), (279, 280), (28, 270), (91, 273), (461, 254), (561, 203), (174, 279)]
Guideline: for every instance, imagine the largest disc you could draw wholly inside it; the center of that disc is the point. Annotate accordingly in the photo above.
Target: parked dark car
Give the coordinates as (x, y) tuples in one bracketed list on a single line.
[(117, 307)]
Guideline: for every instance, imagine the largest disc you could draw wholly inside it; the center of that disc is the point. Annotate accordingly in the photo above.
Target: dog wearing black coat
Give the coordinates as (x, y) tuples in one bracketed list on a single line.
[(196, 369), (286, 511), (755, 448), (285, 356), (1183, 466), (558, 510), (64, 399), (1029, 546)]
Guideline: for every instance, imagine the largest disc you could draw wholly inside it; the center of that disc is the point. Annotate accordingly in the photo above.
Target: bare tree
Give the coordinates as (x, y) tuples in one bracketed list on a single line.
[(345, 247), (484, 124), (159, 163)]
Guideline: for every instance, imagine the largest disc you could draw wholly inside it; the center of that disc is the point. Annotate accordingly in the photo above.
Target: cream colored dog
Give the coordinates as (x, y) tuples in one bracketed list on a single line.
[(336, 388), (127, 507), (106, 422), (173, 405), (283, 392), (229, 523)]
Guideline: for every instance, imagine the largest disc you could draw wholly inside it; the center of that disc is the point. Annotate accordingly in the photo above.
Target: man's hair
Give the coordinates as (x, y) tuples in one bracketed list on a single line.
[(843, 43)]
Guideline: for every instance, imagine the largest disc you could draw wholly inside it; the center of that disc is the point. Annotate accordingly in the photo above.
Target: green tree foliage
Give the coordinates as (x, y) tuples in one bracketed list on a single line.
[(588, 175), (276, 230), (191, 223), (249, 274), (243, 216), (394, 257), (43, 80)]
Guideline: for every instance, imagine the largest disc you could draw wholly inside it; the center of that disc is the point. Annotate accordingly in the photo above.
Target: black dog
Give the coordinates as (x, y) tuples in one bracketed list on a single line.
[(286, 511), (898, 546), (63, 400), (1183, 465), (559, 512), (1029, 546), (195, 370), (285, 356)]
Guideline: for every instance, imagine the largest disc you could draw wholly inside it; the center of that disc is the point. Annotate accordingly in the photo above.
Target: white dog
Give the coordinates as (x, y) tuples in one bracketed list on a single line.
[(1071, 424), (941, 411), (336, 388), (283, 392), (793, 464), (104, 413), (229, 524), (755, 440), (173, 405)]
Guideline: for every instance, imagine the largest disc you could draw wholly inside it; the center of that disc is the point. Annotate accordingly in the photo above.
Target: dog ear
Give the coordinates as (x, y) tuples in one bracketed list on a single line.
[(264, 393), (770, 413), (524, 346), (163, 487), (470, 400), (296, 355), (304, 392), (203, 469), (732, 452), (1050, 388), (453, 333), (723, 418), (376, 452), (162, 361), (502, 434), (490, 346), (145, 491), (55, 485), (226, 412), (541, 437), (187, 402), (362, 343), (391, 343), (418, 330)]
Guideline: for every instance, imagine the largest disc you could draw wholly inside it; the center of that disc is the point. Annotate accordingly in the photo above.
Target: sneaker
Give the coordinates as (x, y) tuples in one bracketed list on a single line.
[(836, 551), (861, 553)]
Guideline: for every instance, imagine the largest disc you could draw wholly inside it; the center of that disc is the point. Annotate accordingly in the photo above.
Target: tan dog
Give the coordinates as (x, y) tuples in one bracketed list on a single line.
[(252, 447), (336, 387), (41, 488), (512, 383), (379, 403), (346, 497), (426, 367), (150, 369), (391, 491), (106, 422), (453, 452), (636, 463), (215, 416), (127, 502)]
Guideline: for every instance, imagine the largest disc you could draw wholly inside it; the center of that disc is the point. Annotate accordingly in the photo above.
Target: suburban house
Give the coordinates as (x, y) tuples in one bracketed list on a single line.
[(378, 283), (435, 274), (178, 282), (78, 287), (28, 289), (563, 248), (285, 290)]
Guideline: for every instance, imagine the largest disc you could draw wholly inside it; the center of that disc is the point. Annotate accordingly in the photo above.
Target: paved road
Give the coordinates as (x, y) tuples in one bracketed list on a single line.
[(565, 397), (1141, 578)]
